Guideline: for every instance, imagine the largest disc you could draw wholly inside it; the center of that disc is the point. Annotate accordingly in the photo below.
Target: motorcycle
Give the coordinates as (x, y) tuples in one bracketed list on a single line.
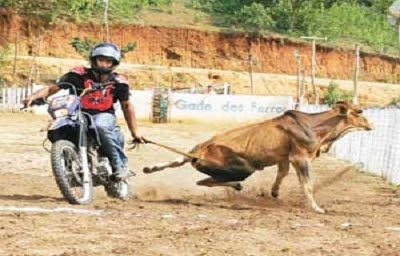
[(77, 160)]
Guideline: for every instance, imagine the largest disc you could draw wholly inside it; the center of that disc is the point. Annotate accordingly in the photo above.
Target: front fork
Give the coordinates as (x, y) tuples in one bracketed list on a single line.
[(83, 155)]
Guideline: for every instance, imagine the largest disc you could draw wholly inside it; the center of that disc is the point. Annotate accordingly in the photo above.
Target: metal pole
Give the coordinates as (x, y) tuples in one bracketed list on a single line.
[(300, 84), (106, 21), (315, 92), (251, 72), (313, 38), (355, 75), (398, 33), (15, 57)]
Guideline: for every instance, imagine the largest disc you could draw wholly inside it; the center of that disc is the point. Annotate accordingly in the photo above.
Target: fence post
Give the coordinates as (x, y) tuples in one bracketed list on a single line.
[(106, 21), (300, 81), (313, 53), (8, 98), (23, 94), (4, 97), (18, 99), (355, 75), (251, 70)]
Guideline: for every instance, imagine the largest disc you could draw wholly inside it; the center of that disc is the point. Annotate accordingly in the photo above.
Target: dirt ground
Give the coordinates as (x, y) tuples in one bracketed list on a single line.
[(173, 216)]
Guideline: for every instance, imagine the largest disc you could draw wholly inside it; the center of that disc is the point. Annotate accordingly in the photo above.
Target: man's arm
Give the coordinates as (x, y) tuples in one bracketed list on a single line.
[(42, 93), (130, 118)]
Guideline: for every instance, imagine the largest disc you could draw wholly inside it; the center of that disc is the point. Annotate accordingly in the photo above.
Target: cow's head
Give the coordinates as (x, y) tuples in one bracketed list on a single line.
[(352, 117)]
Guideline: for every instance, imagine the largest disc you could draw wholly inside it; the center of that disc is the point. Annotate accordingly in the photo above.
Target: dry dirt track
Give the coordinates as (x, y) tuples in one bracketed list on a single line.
[(174, 217)]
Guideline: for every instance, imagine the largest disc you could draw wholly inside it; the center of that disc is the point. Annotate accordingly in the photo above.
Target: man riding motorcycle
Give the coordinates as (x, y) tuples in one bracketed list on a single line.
[(104, 58)]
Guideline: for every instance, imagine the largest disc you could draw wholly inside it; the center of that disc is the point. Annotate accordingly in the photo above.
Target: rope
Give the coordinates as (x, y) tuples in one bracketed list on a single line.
[(44, 146), (136, 142)]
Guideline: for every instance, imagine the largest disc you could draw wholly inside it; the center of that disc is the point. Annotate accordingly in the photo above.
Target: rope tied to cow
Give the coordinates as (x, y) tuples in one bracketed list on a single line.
[(135, 144)]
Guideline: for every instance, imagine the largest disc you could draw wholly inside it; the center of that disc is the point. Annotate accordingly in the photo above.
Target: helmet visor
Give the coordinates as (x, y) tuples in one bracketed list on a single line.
[(108, 50)]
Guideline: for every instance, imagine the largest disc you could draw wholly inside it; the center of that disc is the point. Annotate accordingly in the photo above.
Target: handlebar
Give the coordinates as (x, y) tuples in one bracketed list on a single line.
[(70, 85), (95, 86), (101, 86)]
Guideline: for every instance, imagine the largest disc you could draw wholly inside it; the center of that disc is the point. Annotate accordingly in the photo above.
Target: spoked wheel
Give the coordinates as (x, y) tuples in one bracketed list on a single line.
[(68, 173)]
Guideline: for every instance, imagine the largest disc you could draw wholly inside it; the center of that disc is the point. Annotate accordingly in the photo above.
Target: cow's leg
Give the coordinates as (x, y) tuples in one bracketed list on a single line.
[(283, 169), (211, 182), (303, 168), (161, 166)]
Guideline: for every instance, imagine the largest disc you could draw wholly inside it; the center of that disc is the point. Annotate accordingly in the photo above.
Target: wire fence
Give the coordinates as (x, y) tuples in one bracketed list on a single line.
[(377, 151), (11, 97)]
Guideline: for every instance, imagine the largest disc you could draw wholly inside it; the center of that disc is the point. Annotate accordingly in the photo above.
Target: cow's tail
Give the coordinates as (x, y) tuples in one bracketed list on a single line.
[(172, 164), (187, 157)]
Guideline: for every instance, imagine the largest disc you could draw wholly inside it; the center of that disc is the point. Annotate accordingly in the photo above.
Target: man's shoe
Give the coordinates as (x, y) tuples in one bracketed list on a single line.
[(121, 173)]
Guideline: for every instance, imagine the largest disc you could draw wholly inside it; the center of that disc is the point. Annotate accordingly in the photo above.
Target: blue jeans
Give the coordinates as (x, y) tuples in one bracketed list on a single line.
[(111, 138)]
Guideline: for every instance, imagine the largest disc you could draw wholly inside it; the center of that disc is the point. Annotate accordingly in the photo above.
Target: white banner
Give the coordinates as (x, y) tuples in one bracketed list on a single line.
[(204, 107), (226, 107), (141, 101)]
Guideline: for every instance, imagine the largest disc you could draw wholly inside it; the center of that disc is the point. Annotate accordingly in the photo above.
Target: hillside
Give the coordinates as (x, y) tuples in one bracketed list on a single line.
[(206, 51)]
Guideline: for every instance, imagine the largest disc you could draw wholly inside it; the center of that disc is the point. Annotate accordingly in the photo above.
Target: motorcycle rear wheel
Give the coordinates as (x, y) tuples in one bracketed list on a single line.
[(68, 173)]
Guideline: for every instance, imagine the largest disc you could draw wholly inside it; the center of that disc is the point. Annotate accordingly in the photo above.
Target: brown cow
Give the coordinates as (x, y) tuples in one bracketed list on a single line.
[(293, 138)]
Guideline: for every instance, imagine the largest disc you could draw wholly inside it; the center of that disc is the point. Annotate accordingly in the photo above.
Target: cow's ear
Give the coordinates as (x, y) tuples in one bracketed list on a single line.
[(342, 108)]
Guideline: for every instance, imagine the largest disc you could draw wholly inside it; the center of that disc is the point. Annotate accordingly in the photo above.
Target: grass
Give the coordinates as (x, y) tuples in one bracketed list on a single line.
[(178, 16), (394, 186)]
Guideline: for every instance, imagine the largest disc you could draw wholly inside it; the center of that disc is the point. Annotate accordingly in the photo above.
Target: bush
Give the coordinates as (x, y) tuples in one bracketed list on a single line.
[(253, 17), (334, 94), (357, 21), (83, 46), (352, 21), (395, 101)]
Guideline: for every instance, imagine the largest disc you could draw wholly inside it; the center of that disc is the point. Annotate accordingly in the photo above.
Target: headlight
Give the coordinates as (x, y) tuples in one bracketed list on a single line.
[(62, 101), (60, 112)]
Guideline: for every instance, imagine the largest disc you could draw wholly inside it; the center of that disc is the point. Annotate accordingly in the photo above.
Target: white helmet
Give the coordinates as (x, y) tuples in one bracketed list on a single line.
[(107, 50)]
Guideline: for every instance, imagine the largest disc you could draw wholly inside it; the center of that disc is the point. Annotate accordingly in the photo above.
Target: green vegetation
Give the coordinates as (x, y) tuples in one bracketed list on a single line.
[(395, 101), (343, 22), (83, 46), (51, 11), (334, 94)]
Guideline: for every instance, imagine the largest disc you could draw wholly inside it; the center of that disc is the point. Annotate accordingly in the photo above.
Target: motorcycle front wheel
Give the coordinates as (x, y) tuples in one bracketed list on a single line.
[(69, 174)]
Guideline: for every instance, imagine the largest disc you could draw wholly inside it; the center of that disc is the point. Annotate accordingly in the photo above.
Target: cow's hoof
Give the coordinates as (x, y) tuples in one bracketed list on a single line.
[(319, 210), (274, 194), (238, 187)]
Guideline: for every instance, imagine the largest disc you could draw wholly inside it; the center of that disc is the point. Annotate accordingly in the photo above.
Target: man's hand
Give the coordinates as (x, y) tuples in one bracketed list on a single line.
[(40, 95), (138, 138)]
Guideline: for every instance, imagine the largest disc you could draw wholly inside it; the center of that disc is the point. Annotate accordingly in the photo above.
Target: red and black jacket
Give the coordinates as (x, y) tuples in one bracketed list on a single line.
[(97, 101)]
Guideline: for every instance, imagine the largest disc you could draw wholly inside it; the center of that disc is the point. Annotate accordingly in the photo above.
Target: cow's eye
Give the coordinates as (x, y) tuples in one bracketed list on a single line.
[(359, 111)]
